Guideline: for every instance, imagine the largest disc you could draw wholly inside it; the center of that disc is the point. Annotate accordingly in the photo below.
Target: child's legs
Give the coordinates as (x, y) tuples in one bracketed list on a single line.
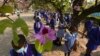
[(68, 53), (65, 54), (59, 40), (88, 52), (56, 42), (76, 44), (68, 49), (90, 47), (66, 44)]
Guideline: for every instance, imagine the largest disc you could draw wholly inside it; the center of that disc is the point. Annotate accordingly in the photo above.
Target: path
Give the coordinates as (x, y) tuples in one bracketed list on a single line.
[(5, 40)]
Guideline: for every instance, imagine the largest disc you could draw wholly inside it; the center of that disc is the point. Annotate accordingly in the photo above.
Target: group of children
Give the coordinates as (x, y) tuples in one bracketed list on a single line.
[(70, 35)]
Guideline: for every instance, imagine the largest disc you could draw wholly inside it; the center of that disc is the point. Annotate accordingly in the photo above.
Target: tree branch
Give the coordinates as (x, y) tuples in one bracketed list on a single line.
[(90, 10), (10, 18), (87, 12), (96, 2), (84, 14), (32, 1), (4, 2), (52, 4)]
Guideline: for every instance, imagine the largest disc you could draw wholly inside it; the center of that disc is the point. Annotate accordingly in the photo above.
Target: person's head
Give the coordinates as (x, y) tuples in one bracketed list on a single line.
[(89, 24), (72, 29), (37, 19), (21, 42)]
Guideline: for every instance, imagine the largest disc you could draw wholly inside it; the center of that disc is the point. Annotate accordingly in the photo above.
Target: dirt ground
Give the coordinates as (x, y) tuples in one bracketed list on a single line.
[(6, 38)]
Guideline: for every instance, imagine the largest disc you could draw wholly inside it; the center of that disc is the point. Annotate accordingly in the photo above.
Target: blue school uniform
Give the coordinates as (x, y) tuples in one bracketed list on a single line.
[(88, 25), (31, 51), (93, 38), (52, 23), (93, 35), (37, 26), (70, 38), (46, 17), (60, 32)]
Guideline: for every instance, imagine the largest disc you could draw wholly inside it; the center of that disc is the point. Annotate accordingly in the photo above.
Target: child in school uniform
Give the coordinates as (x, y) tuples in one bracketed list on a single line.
[(23, 48), (93, 35), (59, 34), (67, 19), (45, 15), (37, 25), (70, 39), (57, 18), (52, 22)]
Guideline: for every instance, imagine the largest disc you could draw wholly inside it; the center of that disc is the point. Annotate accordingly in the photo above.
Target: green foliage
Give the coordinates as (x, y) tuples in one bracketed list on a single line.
[(61, 4), (21, 23), (55, 4), (15, 37), (48, 45), (6, 9), (4, 24), (39, 46), (43, 47), (18, 23)]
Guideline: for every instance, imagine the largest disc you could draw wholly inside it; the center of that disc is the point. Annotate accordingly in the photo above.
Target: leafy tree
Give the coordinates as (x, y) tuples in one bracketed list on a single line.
[(14, 25), (58, 5), (77, 18), (78, 15), (19, 23)]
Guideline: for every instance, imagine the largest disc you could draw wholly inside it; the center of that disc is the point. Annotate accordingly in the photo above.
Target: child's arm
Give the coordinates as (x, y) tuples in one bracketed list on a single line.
[(67, 35)]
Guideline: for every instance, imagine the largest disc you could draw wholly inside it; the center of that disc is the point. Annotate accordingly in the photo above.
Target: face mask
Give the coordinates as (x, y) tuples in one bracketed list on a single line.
[(21, 50)]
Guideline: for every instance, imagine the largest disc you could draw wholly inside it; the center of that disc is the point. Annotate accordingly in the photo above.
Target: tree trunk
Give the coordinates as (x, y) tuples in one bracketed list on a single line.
[(32, 1), (84, 14), (76, 4), (96, 2)]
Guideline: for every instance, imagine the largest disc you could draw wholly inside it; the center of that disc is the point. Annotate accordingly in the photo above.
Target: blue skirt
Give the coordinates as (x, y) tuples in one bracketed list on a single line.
[(91, 45)]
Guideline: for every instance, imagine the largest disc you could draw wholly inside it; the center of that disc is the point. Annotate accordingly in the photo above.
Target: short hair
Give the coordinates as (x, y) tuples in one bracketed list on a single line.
[(21, 42), (89, 24), (73, 28)]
